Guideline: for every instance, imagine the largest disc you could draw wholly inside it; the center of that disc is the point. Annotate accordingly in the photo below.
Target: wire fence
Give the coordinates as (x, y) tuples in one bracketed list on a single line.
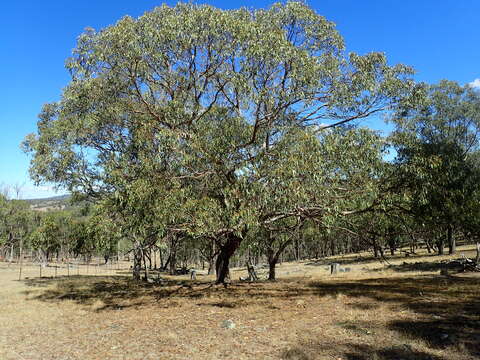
[(53, 269)]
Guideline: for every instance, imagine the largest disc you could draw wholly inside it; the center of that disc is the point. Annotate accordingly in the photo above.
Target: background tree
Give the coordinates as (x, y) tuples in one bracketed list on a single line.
[(437, 143), (47, 237)]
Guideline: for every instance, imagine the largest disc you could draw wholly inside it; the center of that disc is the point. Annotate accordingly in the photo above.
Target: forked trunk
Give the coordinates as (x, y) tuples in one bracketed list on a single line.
[(273, 258)]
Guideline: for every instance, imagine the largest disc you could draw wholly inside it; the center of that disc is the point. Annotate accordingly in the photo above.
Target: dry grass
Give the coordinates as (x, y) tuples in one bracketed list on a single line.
[(405, 311)]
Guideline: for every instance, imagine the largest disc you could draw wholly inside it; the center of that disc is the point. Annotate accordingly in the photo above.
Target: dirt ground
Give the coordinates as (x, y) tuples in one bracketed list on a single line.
[(402, 310)]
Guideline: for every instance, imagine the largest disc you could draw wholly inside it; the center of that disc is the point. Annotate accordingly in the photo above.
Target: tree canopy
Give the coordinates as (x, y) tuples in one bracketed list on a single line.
[(196, 122)]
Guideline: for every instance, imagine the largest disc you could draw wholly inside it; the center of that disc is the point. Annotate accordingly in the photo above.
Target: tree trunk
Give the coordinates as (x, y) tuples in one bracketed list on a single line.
[(297, 249), (452, 246), (149, 257), (160, 254), (429, 247), (137, 261), (375, 248), (272, 261), (173, 256), (440, 245), (391, 243), (271, 269), (223, 259), (211, 259), (145, 274), (332, 246), (273, 258)]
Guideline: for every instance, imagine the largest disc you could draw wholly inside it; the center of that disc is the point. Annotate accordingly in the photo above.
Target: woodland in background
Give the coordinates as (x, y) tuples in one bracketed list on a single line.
[(216, 138)]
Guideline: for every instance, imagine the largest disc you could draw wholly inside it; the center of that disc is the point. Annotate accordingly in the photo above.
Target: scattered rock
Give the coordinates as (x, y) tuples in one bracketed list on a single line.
[(228, 324)]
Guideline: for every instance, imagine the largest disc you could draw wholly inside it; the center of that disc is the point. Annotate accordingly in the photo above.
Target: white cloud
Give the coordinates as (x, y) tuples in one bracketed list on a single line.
[(475, 84)]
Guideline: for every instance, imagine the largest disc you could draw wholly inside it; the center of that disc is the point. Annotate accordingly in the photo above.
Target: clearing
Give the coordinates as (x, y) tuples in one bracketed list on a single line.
[(378, 312)]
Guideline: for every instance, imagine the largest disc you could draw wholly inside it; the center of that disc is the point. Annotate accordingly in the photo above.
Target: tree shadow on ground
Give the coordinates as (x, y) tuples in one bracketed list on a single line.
[(424, 266), (119, 292), (307, 351), (115, 292), (369, 259), (448, 307)]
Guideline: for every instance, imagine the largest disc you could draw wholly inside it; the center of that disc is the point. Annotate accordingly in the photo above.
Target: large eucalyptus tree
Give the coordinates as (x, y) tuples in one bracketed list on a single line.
[(192, 98)]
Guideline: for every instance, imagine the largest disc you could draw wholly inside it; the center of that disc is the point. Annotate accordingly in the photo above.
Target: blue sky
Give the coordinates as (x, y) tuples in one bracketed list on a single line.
[(438, 38)]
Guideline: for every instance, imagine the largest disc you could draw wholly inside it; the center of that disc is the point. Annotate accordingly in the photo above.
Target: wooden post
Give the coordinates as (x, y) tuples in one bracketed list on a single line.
[(68, 268), (56, 269), (40, 270)]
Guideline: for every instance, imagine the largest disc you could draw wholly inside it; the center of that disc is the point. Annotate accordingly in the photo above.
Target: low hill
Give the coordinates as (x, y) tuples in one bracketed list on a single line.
[(60, 202)]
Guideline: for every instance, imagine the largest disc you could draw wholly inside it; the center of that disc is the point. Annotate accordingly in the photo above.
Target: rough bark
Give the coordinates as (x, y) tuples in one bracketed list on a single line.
[(223, 258), (137, 261), (271, 269)]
